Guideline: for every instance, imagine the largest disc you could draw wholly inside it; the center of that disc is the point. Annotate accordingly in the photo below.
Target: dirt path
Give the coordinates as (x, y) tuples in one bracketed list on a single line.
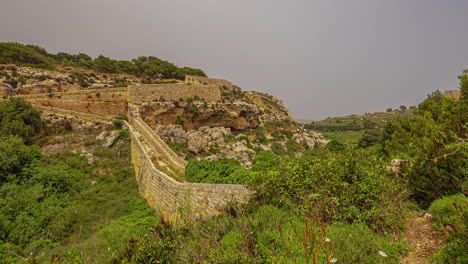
[(423, 239)]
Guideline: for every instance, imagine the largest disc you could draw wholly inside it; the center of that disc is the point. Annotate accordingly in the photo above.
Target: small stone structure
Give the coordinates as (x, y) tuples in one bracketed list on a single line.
[(456, 94), (172, 92)]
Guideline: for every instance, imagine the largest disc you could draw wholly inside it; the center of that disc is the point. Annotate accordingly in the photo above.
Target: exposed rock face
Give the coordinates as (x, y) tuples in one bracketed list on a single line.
[(309, 138), (6, 90), (108, 138), (205, 137), (173, 133), (240, 152), (197, 114), (271, 107), (28, 80)]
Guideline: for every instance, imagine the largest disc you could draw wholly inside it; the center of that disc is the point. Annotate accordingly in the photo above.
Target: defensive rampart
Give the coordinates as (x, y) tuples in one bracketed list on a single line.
[(180, 199), (172, 92), (159, 145), (105, 102), (189, 79)]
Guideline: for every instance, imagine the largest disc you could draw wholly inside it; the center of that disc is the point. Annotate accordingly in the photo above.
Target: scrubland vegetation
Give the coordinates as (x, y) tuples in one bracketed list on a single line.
[(338, 204)]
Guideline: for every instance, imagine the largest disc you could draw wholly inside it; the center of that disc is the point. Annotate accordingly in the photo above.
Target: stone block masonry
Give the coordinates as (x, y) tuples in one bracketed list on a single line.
[(174, 199), (189, 79), (104, 102), (172, 92)]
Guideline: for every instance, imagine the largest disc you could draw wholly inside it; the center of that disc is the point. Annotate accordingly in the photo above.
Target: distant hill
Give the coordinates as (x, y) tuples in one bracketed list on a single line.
[(359, 122)]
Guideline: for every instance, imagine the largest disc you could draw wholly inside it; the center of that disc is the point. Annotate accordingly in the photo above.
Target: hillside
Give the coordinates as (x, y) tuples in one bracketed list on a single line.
[(106, 168)]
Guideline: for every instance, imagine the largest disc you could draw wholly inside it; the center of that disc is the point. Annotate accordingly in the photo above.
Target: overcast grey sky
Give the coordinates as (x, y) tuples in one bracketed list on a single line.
[(322, 57)]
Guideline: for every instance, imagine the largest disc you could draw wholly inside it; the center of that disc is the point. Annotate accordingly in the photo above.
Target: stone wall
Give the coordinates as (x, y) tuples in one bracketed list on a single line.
[(158, 145), (180, 199), (189, 79), (105, 102), (172, 92), (453, 94), (60, 119)]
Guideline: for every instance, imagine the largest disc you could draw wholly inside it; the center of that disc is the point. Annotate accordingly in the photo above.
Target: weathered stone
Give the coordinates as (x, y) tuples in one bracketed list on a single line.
[(108, 138)]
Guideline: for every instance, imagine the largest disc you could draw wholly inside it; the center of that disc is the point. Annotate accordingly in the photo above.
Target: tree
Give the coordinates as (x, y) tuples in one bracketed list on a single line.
[(403, 108), (389, 110), (19, 118)]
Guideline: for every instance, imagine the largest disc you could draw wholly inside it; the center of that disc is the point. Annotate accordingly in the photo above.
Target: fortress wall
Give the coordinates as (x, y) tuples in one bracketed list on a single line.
[(65, 119), (176, 199), (172, 92), (189, 79), (158, 144), (72, 114), (104, 102)]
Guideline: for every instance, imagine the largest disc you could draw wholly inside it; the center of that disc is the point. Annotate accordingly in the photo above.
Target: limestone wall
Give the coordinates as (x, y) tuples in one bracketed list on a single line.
[(104, 102), (189, 79), (172, 92), (175, 199), (158, 144)]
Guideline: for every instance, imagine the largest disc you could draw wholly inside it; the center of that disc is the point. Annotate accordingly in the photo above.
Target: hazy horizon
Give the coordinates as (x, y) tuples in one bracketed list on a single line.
[(322, 58)]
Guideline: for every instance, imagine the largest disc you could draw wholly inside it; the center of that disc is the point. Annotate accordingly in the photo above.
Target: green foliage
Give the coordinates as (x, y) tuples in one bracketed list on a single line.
[(24, 55), (335, 145), (152, 67), (450, 213), (217, 171), (118, 123), (63, 206), (358, 122), (349, 186), (435, 142), (370, 138), (16, 159), (181, 121), (264, 235), (20, 119)]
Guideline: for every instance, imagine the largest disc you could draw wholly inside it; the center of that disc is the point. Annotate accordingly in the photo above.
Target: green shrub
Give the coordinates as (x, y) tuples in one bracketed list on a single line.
[(181, 121), (450, 214), (349, 186), (217, 171), (118, 123)]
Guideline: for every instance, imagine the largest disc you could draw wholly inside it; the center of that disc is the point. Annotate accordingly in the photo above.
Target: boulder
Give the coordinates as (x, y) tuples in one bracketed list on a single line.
[(108, 138)]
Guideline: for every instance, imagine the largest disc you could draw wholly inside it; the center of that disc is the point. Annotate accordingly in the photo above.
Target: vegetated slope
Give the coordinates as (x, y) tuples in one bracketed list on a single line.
[(64, 196), (359, 130)]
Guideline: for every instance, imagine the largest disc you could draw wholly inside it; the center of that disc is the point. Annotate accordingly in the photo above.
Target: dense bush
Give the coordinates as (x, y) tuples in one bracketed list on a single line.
[(217, 171), (450, 215), (435, 142), (20, 119), (349, 186)]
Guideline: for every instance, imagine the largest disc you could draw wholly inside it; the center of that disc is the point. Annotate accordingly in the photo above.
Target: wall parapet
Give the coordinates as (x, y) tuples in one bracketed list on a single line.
[(68, 113), (158, 144), (172, 92)]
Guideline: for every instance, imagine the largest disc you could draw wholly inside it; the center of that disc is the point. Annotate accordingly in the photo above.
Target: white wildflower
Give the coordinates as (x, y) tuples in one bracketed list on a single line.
[(333, 260), (382, 254), (327, 239)]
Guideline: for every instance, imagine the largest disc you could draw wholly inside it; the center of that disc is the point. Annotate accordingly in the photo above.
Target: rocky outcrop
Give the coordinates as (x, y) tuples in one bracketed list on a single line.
[(310, 138), (172, 133), (204, 138), (196, 114)]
